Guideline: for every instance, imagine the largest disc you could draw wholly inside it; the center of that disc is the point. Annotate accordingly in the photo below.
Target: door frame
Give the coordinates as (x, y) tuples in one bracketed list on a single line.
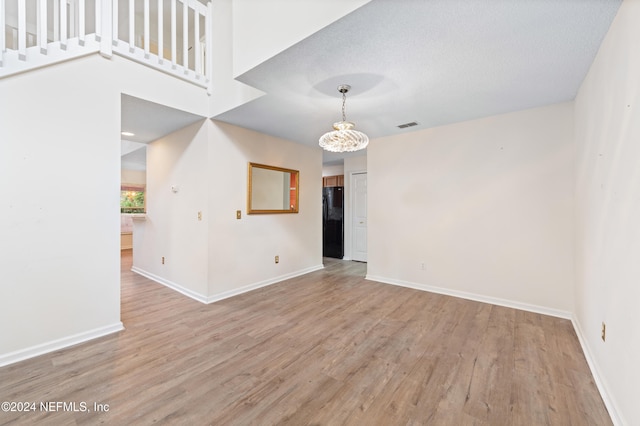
[(349, 212)]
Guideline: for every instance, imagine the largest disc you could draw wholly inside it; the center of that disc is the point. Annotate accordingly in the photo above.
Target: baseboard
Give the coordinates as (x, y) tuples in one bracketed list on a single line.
[(226, 294), (475, 297), (174, 286), (600, 383), (54, 345), (254, 286)]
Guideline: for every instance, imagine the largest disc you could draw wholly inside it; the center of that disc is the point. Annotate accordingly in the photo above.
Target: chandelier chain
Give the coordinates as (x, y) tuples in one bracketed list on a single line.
[(344, 101)]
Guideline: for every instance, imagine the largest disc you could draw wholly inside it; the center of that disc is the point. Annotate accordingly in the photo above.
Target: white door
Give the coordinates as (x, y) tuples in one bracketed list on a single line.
[(359, 224)]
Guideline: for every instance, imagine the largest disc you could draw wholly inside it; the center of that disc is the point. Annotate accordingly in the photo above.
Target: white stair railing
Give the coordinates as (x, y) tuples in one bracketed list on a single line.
[(36, 33)]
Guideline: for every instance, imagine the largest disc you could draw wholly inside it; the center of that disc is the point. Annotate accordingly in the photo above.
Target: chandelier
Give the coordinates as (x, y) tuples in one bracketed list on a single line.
[(344, 138)]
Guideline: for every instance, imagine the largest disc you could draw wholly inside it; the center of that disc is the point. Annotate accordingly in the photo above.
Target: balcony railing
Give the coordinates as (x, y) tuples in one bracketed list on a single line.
[(173, 36)]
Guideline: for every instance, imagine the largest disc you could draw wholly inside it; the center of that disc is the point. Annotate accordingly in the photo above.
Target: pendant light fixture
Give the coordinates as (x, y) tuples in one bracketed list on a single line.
[(344, 138)]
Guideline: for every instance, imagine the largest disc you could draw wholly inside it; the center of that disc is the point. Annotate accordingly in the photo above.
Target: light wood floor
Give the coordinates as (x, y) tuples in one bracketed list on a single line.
[(328, 348)]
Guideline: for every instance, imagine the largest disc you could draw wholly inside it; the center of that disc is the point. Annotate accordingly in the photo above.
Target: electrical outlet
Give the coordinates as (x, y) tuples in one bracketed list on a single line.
[(199, 215), (277, 259), (422, 266), (604, 332), (163, 260)]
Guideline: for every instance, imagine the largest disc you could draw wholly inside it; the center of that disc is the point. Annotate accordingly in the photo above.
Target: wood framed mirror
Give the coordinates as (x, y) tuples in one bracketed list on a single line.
[(272, 189)]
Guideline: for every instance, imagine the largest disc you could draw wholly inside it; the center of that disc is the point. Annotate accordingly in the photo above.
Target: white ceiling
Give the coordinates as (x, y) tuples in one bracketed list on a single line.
[(431, 61), (434, 62), (133, 155), (148, 121)]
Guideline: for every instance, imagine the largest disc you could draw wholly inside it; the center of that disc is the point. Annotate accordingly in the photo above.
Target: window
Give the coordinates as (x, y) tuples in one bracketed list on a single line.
[(132, 199)]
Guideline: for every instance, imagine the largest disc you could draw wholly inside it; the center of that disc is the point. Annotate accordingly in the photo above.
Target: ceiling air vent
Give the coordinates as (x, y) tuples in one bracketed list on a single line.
[(405, 125)]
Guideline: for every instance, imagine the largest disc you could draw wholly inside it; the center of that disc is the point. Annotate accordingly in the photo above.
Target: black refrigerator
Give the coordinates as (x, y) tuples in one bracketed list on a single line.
[(332, 222)]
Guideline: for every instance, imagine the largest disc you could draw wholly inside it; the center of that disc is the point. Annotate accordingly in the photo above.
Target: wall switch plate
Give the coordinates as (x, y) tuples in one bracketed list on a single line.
[(238, 214), (604, 332), (163, 260), (199, 215)]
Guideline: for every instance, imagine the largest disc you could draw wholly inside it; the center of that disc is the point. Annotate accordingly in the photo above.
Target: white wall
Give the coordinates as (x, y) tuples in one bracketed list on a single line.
[(487, 205), (247, 33), (60, 181), (221, 256), (241, 252), (335, 170), (607, 118), (134, 79), (60, 263), (138, 177), (179, 162), (227, 92), (262, 29)]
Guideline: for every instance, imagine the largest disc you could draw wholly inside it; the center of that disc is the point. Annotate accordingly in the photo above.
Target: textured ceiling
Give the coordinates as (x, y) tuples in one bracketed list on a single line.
[(148, 121), (133, 155), (434, 62)]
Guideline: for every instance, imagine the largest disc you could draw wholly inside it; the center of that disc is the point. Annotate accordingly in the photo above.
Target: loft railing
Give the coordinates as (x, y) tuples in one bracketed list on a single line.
[(173, 36)]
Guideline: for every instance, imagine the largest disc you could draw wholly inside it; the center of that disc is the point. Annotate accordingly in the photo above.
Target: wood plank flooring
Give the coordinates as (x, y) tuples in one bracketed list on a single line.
[(327, 348)]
